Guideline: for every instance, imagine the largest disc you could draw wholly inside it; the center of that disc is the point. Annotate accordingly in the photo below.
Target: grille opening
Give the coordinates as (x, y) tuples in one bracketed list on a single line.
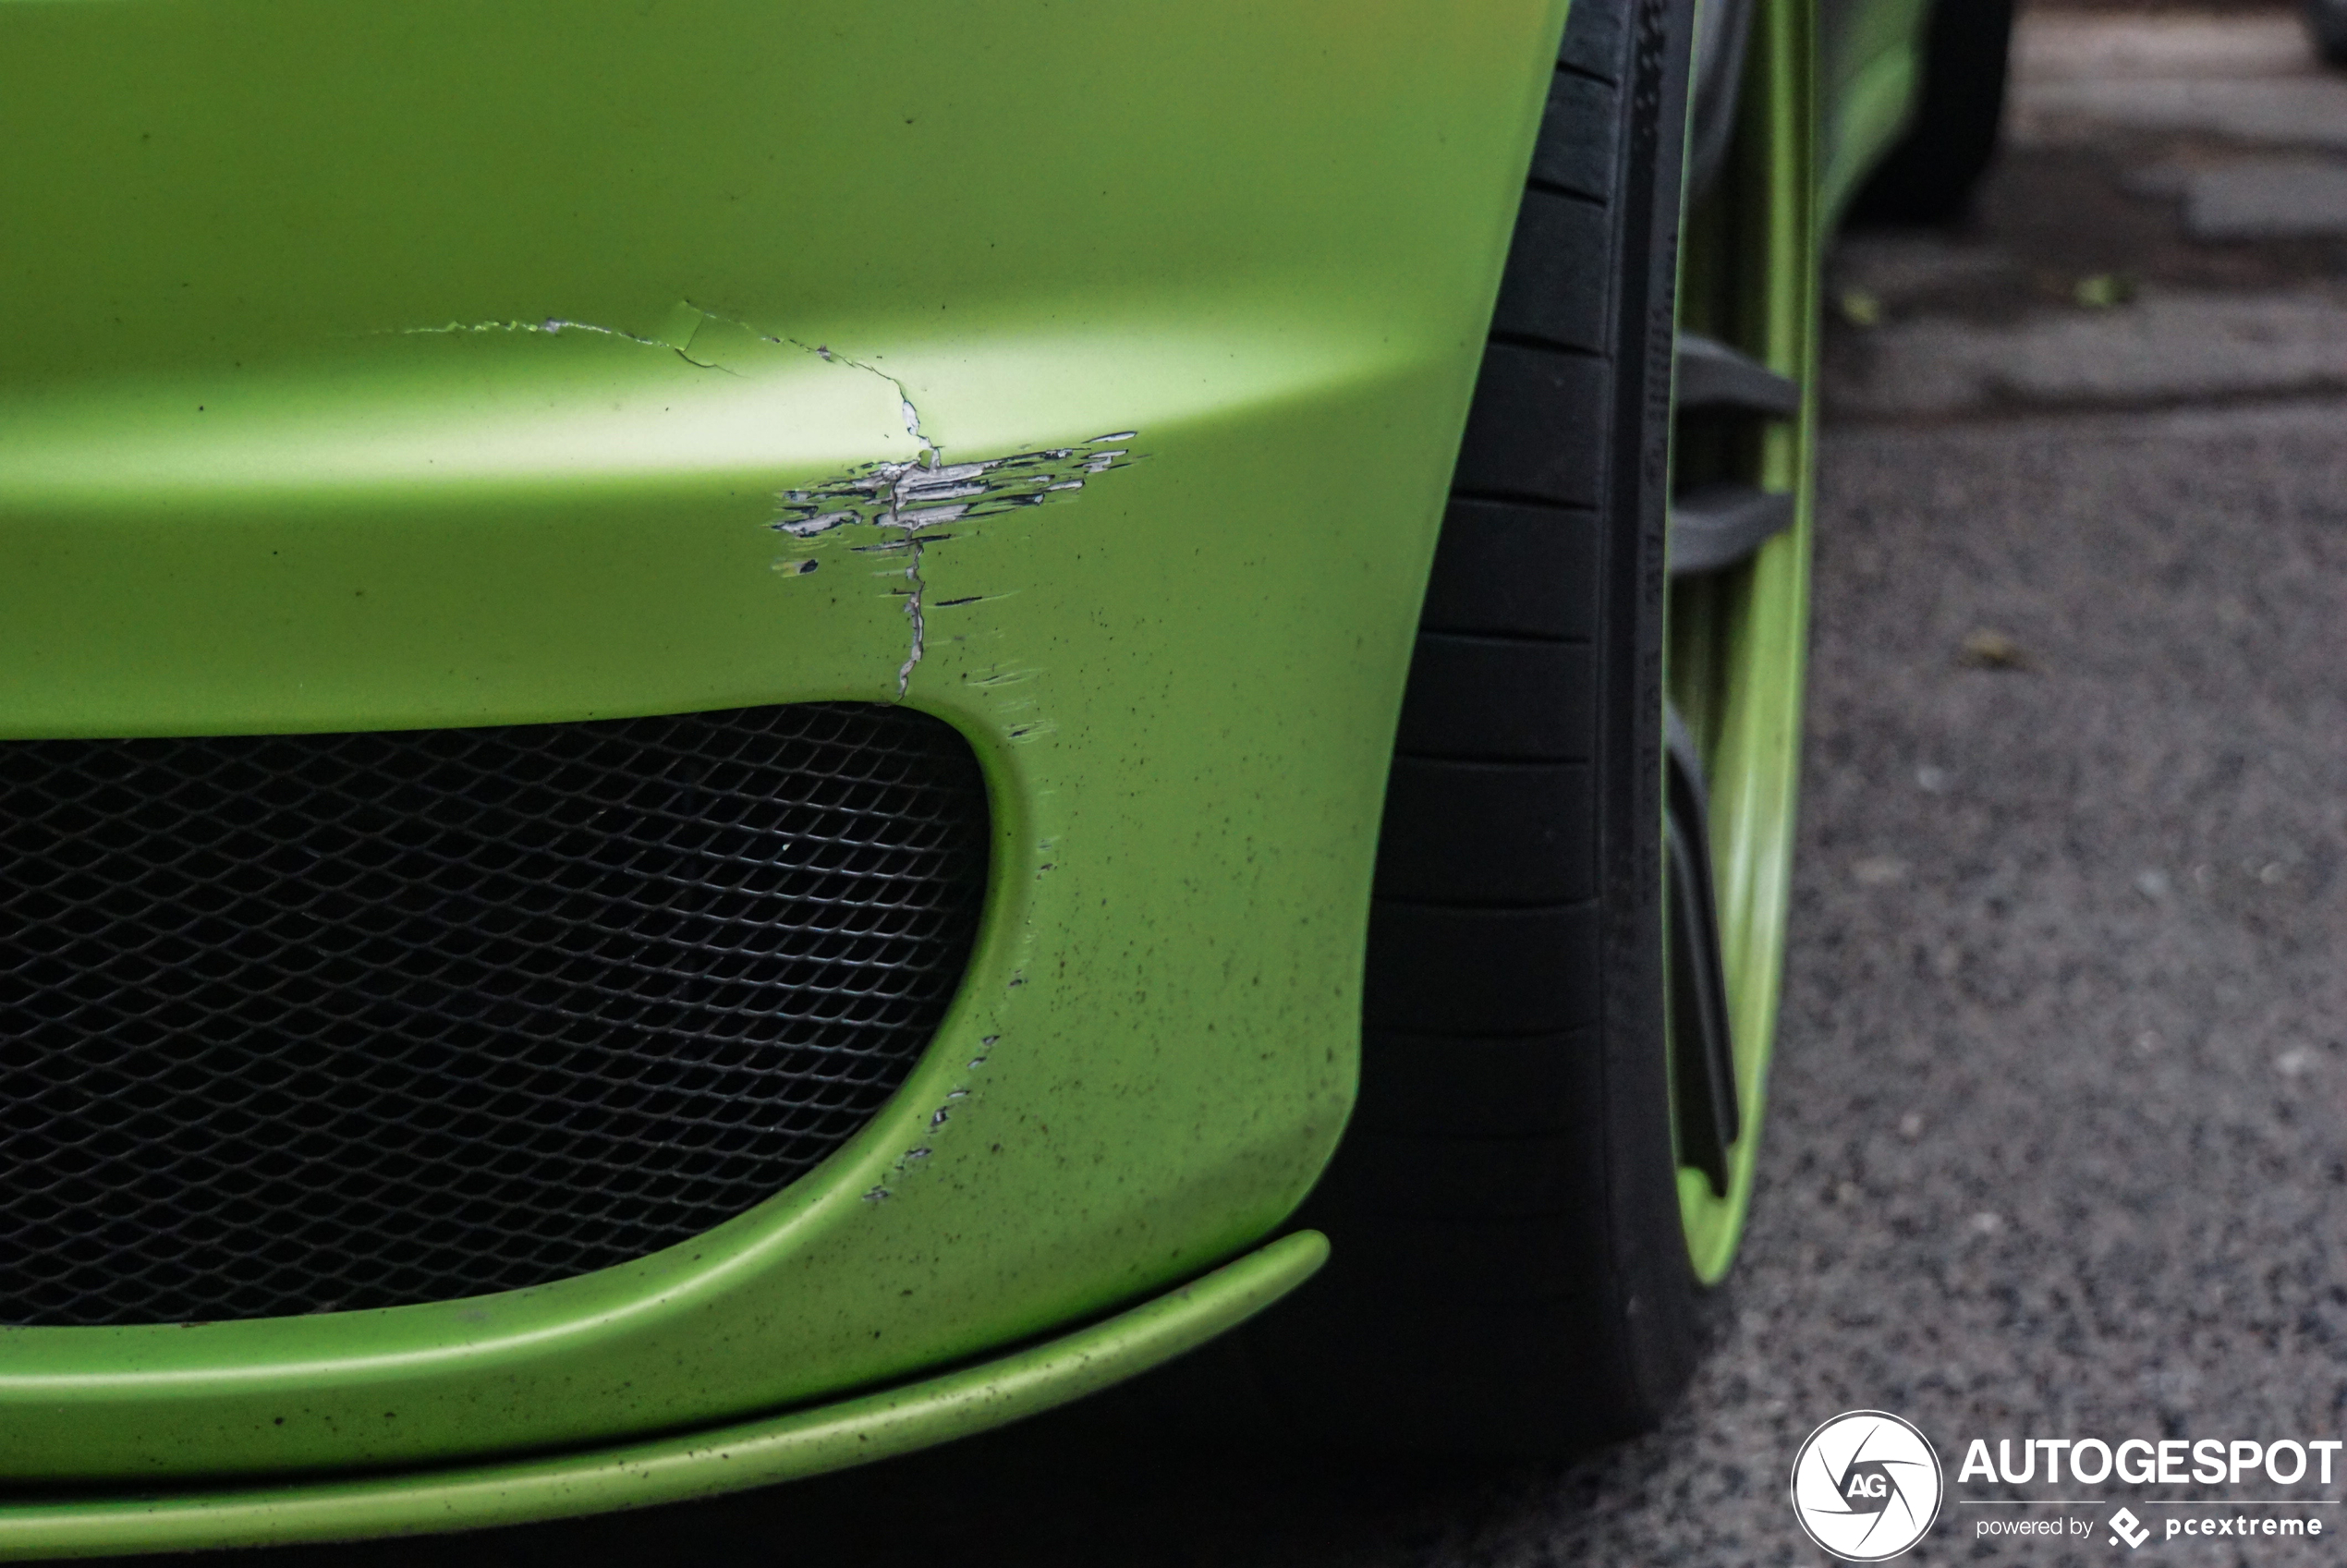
[(309, 1023)]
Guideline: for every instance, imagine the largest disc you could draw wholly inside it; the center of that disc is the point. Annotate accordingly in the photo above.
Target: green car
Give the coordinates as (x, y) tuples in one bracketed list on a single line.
[(741, 736)]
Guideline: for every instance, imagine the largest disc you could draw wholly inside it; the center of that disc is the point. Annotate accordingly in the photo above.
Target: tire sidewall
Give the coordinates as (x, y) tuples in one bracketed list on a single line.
[(1665, 1314)]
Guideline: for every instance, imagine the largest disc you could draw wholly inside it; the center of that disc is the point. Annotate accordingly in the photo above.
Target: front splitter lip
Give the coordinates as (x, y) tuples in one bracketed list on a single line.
[(673, 1469)]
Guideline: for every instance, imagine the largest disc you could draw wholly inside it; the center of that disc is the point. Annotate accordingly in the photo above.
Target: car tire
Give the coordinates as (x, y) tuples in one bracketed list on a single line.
[(2327, 25), (1511, 1269), (1494, 1284), (1929, 175)]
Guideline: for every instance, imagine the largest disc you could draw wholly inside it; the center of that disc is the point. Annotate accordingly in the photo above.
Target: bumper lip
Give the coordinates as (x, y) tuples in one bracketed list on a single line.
[(676, 1469)]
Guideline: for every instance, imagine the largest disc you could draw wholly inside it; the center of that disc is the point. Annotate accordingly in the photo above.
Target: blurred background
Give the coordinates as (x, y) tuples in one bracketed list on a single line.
[(2055, 1142)]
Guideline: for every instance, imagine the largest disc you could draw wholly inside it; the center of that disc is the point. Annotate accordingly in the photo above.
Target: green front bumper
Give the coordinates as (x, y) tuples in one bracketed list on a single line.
[(451, 364)]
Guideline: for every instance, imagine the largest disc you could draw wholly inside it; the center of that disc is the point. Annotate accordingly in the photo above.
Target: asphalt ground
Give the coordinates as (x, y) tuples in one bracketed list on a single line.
[(2055, 1145)]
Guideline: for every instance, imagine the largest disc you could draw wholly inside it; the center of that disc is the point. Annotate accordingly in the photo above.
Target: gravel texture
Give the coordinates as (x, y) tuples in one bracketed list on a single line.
[(2161, 349)]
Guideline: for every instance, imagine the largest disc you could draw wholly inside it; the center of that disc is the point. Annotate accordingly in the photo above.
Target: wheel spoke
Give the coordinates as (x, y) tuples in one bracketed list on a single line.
[(1715, 526), (1712, 375), (1703, 1048)]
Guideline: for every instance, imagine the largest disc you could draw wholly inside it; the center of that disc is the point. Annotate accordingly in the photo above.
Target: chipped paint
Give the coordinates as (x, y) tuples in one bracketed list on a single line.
[(937, 1120), (908, 501)]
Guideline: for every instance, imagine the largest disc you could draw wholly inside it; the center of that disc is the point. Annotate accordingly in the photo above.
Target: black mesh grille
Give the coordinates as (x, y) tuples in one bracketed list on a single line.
[(300, 1023)]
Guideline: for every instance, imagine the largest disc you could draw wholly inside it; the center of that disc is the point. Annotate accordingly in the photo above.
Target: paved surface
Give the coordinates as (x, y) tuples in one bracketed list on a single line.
[(2170, 226), (2249, 76), (2057, 1145), (2165, 348)]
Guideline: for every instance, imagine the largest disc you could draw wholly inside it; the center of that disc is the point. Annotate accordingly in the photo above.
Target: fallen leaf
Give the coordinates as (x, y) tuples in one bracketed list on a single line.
[(2102, 290), (1987, 650), (1861, 309)]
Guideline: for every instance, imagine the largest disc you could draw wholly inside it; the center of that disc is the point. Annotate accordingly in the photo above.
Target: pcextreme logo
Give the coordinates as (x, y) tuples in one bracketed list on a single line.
[(1866, 1486)]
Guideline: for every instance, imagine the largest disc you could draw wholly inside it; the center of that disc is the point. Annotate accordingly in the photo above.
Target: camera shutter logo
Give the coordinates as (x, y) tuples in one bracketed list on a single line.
[(1866, 1486)]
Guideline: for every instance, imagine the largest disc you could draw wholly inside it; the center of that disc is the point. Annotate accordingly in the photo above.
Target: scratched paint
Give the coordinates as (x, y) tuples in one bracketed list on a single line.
[(938, 1118), (905, 505), (904, 502)]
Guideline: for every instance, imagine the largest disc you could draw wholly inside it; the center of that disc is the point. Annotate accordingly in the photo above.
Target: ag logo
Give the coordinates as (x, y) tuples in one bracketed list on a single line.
[(1865, 1486)]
